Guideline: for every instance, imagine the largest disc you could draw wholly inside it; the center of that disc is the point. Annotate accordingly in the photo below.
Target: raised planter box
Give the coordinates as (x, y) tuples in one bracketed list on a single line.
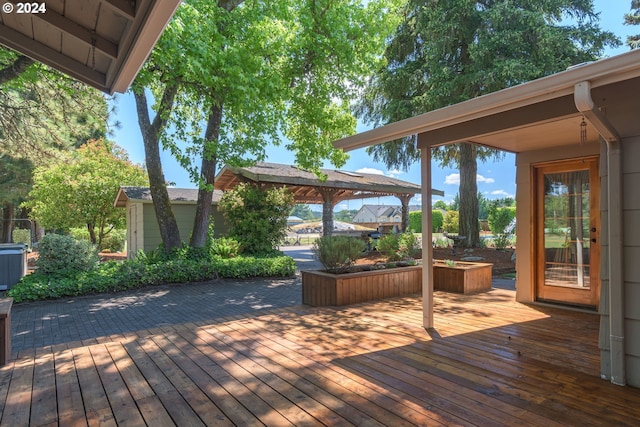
[(323, 289), (463, 277)]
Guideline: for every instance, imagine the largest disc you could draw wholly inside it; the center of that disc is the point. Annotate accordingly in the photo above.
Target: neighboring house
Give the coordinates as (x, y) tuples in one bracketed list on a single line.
[(576, 135), (143, 232), (374, 215)]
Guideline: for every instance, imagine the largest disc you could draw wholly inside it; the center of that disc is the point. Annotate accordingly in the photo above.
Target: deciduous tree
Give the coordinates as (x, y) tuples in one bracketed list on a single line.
[(44, 115), (81, 193), (229, 77)]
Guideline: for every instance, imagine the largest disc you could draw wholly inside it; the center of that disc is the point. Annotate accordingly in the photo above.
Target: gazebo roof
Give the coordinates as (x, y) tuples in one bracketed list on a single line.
[(308, 188)]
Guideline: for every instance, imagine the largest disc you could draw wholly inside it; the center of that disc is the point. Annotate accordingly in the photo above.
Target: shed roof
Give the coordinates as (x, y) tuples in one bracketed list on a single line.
[(307, 187), (100, 42), (185, 196), (536, 115)]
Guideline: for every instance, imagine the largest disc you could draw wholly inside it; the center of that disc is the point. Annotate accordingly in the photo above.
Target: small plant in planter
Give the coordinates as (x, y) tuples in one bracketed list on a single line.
[(338, 253), (400, 249), (449, 263)]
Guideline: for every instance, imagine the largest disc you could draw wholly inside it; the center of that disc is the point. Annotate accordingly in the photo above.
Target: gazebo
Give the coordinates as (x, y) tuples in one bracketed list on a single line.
[(308, 188)]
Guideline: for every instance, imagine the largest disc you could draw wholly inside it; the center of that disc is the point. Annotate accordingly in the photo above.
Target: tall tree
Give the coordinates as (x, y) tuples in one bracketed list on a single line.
[(15, 182), (633, 18), (448, 51), (231, 76), (80, 193), (44, 115)]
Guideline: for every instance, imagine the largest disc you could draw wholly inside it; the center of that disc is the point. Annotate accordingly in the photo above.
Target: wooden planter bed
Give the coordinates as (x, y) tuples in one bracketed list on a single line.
[(463, 277), (321, 289)]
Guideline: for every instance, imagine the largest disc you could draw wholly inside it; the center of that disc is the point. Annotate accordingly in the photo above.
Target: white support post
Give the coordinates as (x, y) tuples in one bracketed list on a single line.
[(427, 246)]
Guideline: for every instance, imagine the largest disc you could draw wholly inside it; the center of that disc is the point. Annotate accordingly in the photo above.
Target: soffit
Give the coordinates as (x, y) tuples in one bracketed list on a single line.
[(100, 42)]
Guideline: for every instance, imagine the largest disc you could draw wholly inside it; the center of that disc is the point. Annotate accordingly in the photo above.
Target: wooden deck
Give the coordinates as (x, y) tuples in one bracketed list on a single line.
[(490, 362)]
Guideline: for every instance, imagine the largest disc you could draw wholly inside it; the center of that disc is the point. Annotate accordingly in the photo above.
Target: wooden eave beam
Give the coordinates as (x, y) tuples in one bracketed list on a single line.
[(33, 49), (523, 116), (79, 32), (124, 7)]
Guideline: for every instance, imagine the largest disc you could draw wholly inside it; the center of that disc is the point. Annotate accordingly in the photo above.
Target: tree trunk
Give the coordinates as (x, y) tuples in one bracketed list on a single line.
[(404, 200), (151, 137), (207, 176), (6, 231), (92, 233), (468, 225)]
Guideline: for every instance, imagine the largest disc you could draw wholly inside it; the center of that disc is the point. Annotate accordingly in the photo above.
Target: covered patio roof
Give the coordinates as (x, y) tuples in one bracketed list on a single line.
[(100, 42), (513, 119), (307, 188)]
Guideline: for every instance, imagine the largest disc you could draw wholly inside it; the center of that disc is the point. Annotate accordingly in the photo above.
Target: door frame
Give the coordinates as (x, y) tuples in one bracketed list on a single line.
[(537, 221)]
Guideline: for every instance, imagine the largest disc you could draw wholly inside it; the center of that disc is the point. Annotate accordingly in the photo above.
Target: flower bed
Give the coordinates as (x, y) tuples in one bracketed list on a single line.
[(320, 288), (461, 277)]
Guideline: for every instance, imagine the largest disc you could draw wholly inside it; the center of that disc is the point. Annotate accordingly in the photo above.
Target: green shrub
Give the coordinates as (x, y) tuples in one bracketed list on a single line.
[(338, 253), (64, 255), (116, 276), (415, 221), (389, 246), (397, 247), (437, 220), (21, 235), (224, 247), (113, 241), (451, 222), (257, 218), (499, 220)]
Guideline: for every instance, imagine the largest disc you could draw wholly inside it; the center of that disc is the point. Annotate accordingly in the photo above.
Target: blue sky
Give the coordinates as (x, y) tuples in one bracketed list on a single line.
[(495, 180)]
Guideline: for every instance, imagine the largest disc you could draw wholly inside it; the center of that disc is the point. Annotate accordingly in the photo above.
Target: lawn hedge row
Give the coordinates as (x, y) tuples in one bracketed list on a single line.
[(114, 276)]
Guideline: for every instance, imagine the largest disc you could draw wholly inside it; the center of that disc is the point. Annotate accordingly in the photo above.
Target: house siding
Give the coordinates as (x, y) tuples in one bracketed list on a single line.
[(631, 233), (184, 214)]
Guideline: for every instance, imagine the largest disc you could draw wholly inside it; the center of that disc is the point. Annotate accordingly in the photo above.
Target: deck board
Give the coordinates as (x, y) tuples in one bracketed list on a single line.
[(489, 362)]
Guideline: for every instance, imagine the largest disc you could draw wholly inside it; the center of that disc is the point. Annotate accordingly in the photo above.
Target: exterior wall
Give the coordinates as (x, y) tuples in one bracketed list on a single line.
[(525, 262), (631, 233), (184, 217), (364, 215)]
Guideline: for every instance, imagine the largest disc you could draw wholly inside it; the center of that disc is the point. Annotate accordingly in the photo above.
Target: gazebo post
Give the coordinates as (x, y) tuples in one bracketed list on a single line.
[(327, 209), (404, 200)]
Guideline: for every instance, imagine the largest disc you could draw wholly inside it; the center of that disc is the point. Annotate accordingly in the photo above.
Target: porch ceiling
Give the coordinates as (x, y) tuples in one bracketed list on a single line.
[(534, 115), (100, 42), (533, 128)]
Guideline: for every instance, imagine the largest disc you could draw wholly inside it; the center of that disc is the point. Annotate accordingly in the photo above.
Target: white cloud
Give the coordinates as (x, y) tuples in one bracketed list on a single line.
[(481, 178), (394, 173), (454, 179), (501, 193), (372, 171)]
